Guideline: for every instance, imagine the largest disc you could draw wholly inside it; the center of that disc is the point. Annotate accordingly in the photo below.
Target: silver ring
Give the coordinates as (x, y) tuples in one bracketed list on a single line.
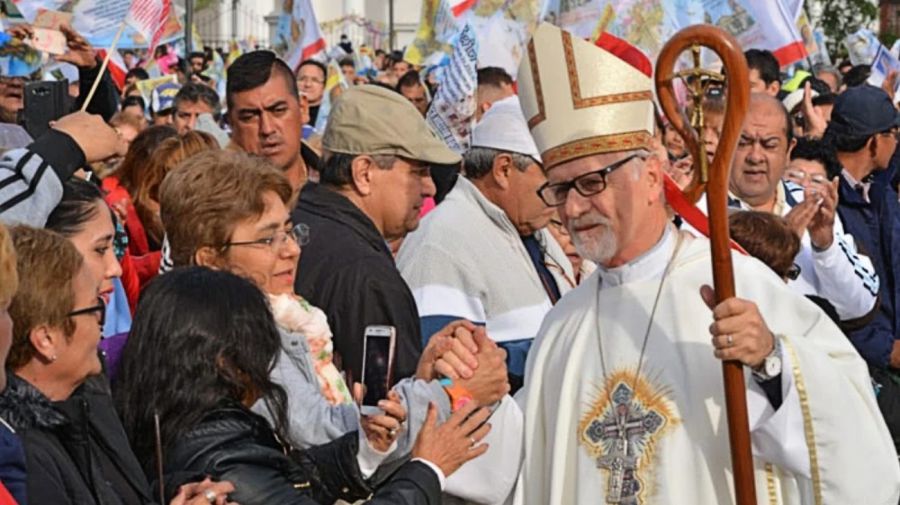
[(474, 442), (210, 496), (392, 433), (730, 340)]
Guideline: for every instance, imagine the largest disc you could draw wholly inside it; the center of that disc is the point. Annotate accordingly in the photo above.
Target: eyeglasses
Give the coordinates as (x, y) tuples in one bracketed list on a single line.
[(100, 307), (589, 184), (793, 272), (299, 234), (800, 176)]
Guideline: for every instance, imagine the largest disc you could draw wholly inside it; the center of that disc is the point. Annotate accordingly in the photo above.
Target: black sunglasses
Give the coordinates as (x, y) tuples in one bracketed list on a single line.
[(100, 307)]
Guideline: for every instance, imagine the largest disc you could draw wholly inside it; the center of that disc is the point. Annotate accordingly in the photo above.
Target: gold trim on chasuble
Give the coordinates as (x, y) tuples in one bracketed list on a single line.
[(624, 421), (808, 430), (770, 484)]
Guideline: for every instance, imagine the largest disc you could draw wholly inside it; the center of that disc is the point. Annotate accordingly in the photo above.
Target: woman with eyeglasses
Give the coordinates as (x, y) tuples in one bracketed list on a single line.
[(230, 211), (76, 451), (200, 356)]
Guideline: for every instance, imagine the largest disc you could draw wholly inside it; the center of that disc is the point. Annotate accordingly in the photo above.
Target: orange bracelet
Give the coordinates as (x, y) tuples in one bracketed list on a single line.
[(459, 396)]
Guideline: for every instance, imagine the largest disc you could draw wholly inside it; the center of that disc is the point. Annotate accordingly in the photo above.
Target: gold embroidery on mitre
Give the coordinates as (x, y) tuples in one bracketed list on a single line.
[(579, 102), (538, 91), (595, 145), (620, 430)]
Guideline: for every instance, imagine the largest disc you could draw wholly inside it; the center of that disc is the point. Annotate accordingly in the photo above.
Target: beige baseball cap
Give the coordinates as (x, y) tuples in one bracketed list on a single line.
[(370, 119)]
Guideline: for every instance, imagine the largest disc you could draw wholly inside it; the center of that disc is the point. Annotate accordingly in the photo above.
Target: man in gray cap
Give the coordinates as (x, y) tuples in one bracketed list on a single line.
[(482, 255), (374, 178)]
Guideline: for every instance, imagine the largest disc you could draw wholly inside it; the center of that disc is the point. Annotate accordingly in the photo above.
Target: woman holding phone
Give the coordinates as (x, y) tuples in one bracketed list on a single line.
[(200, 356)]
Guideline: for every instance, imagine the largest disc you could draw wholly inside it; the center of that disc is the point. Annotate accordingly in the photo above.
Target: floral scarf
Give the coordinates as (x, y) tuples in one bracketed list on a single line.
[(295, 314)]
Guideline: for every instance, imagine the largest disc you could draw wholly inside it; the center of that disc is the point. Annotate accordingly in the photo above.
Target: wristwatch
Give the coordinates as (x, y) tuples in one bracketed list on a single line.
[(771, 366)]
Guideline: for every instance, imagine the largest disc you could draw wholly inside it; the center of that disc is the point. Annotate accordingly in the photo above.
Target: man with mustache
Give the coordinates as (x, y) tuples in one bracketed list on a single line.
[(623, 396), (483, 253), (830, 265)]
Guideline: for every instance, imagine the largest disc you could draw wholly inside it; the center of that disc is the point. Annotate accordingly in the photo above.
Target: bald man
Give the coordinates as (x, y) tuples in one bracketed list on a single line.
[(830, 266)]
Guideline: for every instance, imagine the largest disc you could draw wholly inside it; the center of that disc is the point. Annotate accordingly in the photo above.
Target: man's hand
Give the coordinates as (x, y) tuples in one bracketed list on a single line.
[(801, 215), (381, 431), (895, 355), (97, 139), (739, 331), (455, 442), (821, 226), (450, 353), (80, 53), (815, 123), (490, 382)]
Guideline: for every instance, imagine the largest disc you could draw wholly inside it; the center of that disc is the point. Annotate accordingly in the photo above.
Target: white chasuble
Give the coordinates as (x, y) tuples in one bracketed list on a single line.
[(661, 436)]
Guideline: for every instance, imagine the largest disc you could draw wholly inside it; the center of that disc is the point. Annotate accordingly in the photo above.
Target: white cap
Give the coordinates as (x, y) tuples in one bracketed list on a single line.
[(503, 127), (795, 98)]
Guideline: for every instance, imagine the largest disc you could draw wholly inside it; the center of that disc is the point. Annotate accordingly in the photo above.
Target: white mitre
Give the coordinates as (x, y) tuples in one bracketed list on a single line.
[(581, 99)]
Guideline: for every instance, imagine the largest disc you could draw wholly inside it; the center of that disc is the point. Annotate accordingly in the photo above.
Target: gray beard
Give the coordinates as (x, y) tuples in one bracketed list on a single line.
[(598, 245)]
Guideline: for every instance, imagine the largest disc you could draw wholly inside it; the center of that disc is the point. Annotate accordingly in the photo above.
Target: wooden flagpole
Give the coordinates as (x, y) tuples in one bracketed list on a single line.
[(103, 66)]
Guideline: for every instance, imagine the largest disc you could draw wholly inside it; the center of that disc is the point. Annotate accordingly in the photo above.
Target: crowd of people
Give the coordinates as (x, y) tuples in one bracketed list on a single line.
[(186, 282)]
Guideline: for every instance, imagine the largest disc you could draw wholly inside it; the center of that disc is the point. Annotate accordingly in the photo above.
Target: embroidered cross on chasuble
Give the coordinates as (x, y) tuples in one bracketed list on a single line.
[(620, 430)]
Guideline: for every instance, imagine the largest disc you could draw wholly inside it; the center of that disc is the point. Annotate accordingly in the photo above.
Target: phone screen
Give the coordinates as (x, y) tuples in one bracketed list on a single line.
[(377, 368)]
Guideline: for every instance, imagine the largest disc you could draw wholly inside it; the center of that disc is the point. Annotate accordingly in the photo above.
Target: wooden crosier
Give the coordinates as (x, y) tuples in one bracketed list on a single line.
[(714, 182)]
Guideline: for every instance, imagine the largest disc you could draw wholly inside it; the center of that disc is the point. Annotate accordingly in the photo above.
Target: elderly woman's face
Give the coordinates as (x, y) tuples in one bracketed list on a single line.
[(271, 267), (77, 355)]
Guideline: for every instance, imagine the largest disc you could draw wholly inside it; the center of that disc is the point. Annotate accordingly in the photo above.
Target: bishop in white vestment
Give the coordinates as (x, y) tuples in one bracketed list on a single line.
[(623, 398)]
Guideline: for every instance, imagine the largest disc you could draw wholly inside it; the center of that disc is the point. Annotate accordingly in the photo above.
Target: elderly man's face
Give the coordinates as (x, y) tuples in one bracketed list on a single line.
[(527, 211), (268, 121), (611, 227), (762, 153), (398, 195)]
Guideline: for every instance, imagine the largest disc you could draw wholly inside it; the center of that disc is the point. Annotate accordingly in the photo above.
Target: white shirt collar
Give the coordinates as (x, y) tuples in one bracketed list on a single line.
[(649, 265)]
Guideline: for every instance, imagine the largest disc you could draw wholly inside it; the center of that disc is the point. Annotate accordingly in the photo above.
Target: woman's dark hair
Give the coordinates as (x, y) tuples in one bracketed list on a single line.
[(200, 337), (139, 152), (816, 150), (77, 206), (767, 237)]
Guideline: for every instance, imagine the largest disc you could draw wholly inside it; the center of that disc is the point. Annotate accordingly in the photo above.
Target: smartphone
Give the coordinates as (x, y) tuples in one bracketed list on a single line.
[(45, 101), (378, 362)]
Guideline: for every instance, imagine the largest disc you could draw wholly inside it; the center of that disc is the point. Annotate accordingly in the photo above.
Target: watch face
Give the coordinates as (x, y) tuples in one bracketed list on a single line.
[(773, 366)]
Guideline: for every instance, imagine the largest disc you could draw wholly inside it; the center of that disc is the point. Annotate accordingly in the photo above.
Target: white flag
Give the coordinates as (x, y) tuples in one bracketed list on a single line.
[(305, 36)]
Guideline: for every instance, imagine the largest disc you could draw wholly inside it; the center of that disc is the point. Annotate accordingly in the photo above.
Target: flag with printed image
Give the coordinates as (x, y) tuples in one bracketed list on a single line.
[(298, 36), (149, 17)]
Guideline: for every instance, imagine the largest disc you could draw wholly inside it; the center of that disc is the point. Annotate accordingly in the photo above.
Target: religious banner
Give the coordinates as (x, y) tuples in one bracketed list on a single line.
[(452, 113), (502, 29), (864, 48), (648, 24), (298, 36)]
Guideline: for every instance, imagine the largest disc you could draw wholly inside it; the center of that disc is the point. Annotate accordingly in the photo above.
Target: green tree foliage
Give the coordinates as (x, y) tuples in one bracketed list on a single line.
[(839, 18)]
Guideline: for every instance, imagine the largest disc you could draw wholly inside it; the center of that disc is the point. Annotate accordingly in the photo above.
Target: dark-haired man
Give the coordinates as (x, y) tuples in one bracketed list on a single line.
[(863, 132), (311, 79), (493, 84), (265, 111), (411, 87), (765, 76), (191, 101)]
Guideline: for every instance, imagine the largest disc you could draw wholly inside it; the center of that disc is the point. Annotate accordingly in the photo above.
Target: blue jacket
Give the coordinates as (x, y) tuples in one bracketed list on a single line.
[(12, 463), (876, 227)]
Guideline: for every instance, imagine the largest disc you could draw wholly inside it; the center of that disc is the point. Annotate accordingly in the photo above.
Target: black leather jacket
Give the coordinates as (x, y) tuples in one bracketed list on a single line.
[(232, 443)]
